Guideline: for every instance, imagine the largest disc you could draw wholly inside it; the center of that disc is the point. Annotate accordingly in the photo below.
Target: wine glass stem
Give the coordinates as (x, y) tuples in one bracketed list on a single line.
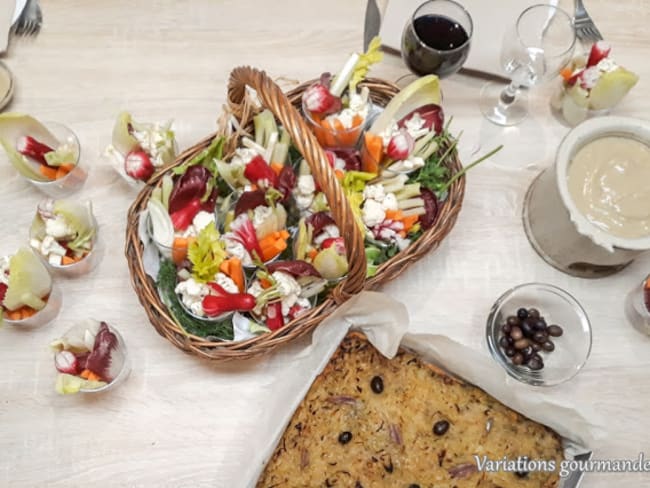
[(509, 94)]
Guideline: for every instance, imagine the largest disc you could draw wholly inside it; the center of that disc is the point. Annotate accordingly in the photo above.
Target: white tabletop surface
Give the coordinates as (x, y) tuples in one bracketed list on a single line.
[(179, 421)]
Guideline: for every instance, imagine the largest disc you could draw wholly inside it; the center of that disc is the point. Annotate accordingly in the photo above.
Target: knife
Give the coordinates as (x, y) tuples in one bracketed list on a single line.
[(372, 23)]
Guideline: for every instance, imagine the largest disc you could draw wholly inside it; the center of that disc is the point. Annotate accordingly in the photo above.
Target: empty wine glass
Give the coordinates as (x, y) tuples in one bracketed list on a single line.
[(534, 50)]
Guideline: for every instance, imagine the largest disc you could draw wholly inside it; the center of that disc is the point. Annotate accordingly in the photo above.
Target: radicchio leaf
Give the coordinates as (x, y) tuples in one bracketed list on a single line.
[(250, 200), (192, 184), (286, 181), (430, 206), (99, 360), (432, 115), (294, 268), (319, 221), (351, 157)]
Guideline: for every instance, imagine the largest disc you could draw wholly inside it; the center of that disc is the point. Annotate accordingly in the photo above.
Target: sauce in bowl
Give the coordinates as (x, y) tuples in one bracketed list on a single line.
[(609, 182)]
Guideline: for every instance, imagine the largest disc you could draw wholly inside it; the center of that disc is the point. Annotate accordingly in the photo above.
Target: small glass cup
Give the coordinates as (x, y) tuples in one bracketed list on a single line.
[(329, 136), (637, 306), (119, 363), (76, 178), (6, 97), (557, 307), (568, 111), (44, 316), (81, 267)]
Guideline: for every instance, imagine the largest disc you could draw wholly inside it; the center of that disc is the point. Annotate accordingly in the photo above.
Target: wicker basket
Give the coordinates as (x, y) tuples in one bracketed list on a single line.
[(285, 108)]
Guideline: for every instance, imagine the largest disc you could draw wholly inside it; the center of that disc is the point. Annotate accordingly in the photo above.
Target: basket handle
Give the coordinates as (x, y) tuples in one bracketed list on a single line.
[(275, 100)]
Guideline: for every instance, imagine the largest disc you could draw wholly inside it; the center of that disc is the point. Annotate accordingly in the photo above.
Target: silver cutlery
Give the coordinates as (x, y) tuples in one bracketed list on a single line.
[(30, 21), (585, 28), (372, 23)]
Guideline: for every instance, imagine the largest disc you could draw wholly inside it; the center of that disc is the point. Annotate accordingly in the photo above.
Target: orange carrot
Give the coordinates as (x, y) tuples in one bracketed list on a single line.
[(566, 73), (14, 315), (394, 214), (66, 261), (339, 174), (357, 120), (28, 312), (264, 283), (338, 126), (89, 375), (330, 138), (237, 273), (84, 374), (277, 168), (49, 173), (273, 250), (409, 221), (312, 253), (179, 249), (371, 153)]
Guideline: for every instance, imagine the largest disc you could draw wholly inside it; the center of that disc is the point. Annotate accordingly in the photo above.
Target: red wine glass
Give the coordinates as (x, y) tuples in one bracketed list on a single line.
[(437, 38)]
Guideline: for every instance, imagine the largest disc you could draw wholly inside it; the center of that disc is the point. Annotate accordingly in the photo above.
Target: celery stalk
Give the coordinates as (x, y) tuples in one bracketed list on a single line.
[(343, 77)]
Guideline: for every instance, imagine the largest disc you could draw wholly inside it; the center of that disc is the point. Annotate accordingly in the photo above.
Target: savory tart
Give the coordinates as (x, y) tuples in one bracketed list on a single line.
[(368, 422)]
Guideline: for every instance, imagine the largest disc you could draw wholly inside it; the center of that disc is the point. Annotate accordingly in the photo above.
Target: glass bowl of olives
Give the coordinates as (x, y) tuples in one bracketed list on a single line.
[(539, 333)]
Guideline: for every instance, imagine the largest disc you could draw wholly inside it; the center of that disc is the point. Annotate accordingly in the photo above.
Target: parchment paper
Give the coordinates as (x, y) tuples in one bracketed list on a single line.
[(385, 322)]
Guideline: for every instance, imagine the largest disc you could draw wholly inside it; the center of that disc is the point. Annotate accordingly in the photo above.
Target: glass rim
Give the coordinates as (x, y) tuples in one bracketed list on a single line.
[(425, 45), (556, 10), (51, 123), (54, 290), (533, 378)]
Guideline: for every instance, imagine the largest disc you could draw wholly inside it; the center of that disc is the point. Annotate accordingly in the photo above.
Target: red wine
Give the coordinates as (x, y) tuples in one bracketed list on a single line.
[(440, 32), (435, 44)]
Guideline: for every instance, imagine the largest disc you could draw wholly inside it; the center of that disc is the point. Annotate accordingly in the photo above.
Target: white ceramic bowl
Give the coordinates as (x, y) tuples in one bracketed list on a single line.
[(578, 137)]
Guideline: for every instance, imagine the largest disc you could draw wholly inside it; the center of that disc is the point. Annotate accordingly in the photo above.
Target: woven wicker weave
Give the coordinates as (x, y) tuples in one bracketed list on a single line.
[(285, 108)]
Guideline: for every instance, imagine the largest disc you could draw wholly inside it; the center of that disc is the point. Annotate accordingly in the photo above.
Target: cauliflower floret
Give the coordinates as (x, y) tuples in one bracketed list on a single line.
[(415, 126), (192, 293), (374, 192), (357, 106), (327, 232), (390, 202), (289, 288), (304, 191), (58, 228), (372, 213), (226, 282), (236, 249), (261, 214), (50, 246), (202, 220)]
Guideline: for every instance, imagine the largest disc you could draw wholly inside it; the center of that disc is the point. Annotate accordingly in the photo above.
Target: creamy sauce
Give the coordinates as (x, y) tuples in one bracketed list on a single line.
[(609, 182)]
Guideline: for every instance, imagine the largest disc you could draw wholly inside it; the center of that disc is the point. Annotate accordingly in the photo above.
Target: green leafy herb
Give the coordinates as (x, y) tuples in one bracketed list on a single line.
[(166, 286), (366, 60), (206, 254), (208, 157)]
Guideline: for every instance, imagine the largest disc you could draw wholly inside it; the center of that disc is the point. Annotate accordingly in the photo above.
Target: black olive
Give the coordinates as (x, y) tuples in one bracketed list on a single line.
[(522, 344), (503, 342), (536, 363), (540, 337), (506, 328), (377, 384), (536, 347), (510, 351), (528, 352), (518, 358), (441, 427), (540, 324), (533, 312), (512, 321), (522, 313), (516, 333), (548, 346), (555, 330), (345, 437), (527, 328)]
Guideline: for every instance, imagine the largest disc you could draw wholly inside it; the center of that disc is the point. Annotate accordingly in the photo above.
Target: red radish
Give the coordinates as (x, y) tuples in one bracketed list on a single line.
[(400, 146), (295, 311), (274, 319), (137, 165), (3, 291), (574, 78), (30, 147), (318, 99), (599, 51), (214, 305), (66, 362), (337, 242)]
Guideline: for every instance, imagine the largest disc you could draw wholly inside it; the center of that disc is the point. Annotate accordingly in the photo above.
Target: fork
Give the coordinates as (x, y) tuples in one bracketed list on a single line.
[(30, 21), (585, 28)]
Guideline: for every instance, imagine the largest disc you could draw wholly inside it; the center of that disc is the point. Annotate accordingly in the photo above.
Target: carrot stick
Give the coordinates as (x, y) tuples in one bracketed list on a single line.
[(409, 221), (84, 374), (27, 312), (312, 253), (14, 315), (179, 249), (277, 168), (67, 167), (394, 214), (93, 377), (371, 153), (237, 273), (48, 172), (357, 120), (566, 73), (66, 261)]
